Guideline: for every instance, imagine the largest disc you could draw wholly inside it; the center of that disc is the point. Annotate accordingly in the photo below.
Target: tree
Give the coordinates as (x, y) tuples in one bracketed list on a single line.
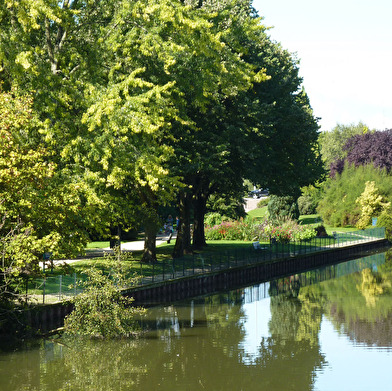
[(156, 86), (282, 145), (202, 148), (338, 206), (102, 311), (371, 204), (368, 148), (332, 143), (244, 135), (363, 149), (49, 49)]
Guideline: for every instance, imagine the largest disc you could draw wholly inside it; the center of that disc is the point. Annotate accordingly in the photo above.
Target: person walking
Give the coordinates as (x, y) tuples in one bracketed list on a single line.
[(169, 228)]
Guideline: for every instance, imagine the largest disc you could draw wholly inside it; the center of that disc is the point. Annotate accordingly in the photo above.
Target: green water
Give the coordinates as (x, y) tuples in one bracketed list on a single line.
[(327, 329)]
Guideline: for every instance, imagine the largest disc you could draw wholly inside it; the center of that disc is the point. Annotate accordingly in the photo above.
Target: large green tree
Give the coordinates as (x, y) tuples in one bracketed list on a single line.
[(267, 132)]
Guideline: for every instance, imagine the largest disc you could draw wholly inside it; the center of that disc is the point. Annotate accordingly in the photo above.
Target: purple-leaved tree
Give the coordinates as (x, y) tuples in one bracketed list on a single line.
[(363, 149)]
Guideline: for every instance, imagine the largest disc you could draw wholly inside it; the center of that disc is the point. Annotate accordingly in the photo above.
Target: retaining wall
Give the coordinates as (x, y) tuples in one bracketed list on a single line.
[(198, 285), (48, 317)]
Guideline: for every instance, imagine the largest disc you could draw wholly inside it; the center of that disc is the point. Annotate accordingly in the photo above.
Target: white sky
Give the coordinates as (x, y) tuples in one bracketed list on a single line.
[(345, 53)]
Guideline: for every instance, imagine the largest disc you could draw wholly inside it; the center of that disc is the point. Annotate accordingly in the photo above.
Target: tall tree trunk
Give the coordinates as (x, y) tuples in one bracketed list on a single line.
[(150, 220), (200, 202), (149, 252), (183, 241)]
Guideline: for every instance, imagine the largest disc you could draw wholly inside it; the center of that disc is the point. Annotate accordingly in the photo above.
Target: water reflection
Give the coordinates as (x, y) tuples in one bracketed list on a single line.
[(310, 331)]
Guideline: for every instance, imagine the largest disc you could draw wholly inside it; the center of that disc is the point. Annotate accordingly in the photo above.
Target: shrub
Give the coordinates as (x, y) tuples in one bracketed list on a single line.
[(320, 230), (306, 206), (280, 208), (371, 204), (289, 230), (101, 311), (385, 220), (338, 206), (214, 218), (244, 229), (281, 234), (263, 202)]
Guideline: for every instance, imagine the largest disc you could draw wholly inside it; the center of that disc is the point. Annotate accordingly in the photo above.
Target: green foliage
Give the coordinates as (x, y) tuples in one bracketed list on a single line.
[(320, 230), (288, 230), (280, 208), (371, 204), (244, 229), (141, 100), (263, 202), (228, 204), (385, 220), (332, 142), (338, 207), (306, 205), (101, 311), (214, 218)]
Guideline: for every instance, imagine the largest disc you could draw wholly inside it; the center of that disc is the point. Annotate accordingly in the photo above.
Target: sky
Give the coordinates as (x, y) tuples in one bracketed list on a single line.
[(345, 53)]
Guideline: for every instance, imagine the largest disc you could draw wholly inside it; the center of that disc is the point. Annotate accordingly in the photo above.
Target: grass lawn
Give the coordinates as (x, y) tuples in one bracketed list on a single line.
[(165, 250), (98, 245), (258, 212), (315, 220)]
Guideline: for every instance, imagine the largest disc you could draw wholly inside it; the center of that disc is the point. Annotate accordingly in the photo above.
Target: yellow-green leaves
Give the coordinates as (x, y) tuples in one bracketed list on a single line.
[(371, 203)]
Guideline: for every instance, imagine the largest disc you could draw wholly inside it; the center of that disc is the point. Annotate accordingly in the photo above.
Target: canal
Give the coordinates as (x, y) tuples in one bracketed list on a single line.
[(324, 329)]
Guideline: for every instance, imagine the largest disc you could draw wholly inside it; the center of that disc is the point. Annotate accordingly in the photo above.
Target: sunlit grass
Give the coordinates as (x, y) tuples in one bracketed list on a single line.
[(258, 212), (104, 244)]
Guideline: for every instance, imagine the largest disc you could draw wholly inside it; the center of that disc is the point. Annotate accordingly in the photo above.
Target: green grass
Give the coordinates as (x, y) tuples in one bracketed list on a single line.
[(165, 250), (258, 212), (315, 220), (98, 245)]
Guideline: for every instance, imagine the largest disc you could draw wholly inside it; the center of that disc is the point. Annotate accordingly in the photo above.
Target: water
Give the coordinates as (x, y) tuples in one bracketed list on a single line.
[(327, 329)]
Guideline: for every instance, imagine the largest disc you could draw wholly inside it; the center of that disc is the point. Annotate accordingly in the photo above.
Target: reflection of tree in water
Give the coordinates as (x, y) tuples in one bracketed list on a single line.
[(294, 328), (200, 345), (372, 286), (361, 306)]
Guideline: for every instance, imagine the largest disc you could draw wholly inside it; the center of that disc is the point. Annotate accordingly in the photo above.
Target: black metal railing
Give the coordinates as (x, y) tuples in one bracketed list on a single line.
[(57, 288)]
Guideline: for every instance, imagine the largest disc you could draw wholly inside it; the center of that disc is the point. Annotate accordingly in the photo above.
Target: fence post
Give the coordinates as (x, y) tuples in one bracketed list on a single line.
[(60, 283)]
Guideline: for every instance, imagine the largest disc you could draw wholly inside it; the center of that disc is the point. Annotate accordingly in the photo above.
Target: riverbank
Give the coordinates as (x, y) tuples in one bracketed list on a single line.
[(46, 317)]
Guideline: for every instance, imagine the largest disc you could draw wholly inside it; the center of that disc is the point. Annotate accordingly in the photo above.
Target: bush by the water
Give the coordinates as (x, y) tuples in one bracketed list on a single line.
[(385, 220), (101, 311), (214, 218)]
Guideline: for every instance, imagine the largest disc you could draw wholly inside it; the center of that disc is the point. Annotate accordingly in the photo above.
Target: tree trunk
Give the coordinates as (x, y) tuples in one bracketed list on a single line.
[(149, 252), (149, 218), (200, 202), (183, 241)]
